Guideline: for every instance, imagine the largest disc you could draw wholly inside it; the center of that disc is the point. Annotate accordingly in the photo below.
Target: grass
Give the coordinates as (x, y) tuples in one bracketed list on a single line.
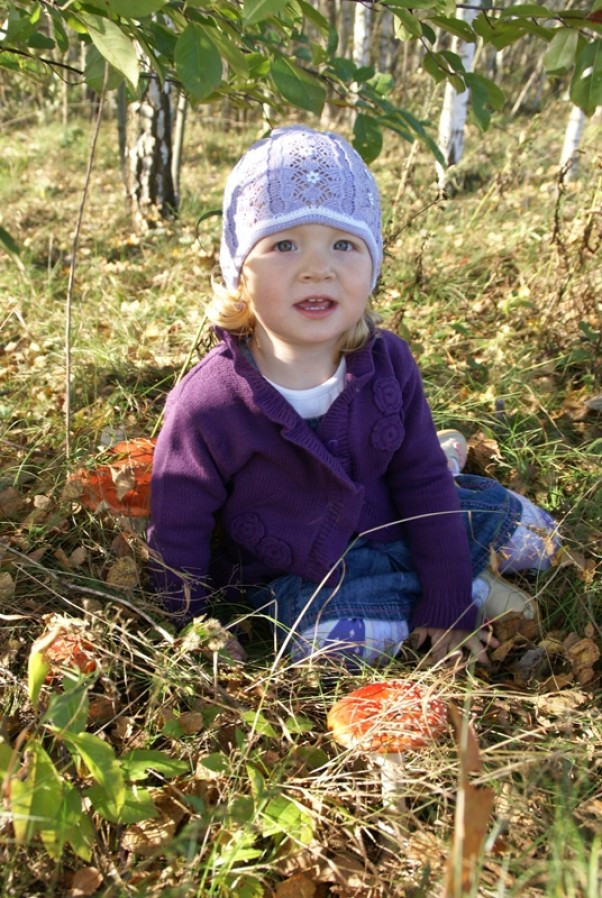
[(498, 291)]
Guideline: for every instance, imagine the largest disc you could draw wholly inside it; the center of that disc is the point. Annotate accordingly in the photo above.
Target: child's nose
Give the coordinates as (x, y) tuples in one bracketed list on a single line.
[(317, 264)]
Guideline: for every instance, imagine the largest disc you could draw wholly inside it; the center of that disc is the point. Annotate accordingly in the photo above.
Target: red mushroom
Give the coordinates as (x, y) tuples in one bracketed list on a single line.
[(120, 487), (385, 720)]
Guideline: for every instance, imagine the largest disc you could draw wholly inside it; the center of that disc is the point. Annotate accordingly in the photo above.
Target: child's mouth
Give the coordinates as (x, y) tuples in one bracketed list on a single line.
[(315, 305)]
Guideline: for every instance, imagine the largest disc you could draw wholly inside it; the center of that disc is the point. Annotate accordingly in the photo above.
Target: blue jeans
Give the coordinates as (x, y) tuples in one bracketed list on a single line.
[(378, 580)]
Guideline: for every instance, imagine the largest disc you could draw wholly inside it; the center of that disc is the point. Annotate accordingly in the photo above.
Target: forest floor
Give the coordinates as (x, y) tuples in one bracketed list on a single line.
[(498, 291)]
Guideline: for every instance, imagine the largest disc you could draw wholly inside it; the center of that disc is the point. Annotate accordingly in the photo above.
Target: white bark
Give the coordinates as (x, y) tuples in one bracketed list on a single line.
[(455, 105), (361, 34), (178, 144), (569, 156)]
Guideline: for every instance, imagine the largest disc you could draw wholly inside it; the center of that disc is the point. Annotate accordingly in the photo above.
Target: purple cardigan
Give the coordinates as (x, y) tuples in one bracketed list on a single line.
[(288, 499)]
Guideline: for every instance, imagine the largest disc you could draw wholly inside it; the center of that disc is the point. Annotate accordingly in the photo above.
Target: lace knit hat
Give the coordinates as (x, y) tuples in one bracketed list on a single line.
[(297, 176)]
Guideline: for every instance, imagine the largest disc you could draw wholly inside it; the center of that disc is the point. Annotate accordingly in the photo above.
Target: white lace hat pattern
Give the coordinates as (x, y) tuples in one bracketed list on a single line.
[(298, 176)]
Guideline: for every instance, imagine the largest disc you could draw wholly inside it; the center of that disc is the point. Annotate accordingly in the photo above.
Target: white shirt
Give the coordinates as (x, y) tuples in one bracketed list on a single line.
[(315, 402)]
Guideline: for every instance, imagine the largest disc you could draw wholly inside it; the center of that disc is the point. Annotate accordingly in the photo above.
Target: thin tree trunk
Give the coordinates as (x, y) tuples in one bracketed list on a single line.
[(178, 144), (569, 157), (361, 35), (455, 106), (150, 184)]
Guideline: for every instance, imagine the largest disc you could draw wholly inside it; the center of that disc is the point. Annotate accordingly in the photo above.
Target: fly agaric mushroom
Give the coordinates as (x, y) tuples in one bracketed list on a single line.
[(385, 720), (120, 487)]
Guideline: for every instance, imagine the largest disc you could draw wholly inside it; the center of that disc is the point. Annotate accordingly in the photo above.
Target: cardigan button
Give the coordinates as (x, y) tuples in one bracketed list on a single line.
[(332, 445)]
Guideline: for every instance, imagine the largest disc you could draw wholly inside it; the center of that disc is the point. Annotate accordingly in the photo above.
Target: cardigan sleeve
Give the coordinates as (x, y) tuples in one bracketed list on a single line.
[(427, 499), (186, 492)]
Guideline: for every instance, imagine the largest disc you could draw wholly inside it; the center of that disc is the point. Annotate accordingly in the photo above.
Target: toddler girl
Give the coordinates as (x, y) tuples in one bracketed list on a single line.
[(305, 437)]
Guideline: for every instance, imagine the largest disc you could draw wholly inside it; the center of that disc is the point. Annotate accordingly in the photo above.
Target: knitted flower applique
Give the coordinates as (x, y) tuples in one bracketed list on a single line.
[(387, 395), (387, 434)]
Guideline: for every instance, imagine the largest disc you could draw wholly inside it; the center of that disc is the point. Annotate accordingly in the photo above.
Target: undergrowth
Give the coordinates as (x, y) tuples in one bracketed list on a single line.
[(497, 289)]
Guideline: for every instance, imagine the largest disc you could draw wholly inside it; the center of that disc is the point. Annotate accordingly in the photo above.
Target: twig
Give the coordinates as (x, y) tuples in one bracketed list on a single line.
[(71, 281)]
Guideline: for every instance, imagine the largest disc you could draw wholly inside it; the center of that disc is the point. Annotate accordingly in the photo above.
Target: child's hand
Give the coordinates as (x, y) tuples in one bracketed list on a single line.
[(448, 646)]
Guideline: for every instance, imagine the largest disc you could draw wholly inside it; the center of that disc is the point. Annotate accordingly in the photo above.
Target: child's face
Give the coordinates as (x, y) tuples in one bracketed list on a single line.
[(308, 284)]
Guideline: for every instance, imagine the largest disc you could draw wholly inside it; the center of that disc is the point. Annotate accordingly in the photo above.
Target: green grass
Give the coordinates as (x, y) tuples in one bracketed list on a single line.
[(498, 290)]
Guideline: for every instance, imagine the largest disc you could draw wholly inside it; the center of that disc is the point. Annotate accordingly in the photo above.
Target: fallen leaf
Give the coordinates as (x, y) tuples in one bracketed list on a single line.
[(502, 651), (122, 486), (474, 805), (64, 643), (11, 503), (191, 722), (513, 625), (123, 574), (146, 838), (102, 709), (466, 741), (562, 704), (42, 507), (555, 682), (583, 655), (483, 453), (78, 557), (70, 650), (7, 587), (299, 886), (585, 566), (473, 813), (86, 881)]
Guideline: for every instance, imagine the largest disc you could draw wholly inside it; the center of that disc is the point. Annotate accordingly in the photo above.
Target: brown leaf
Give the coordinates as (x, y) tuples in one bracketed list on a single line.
[(7, 587), (64, 643), (583, 654), (585, 566), (555, 682), (148, 837), (502, 651), (466, 741), (11, 503), (483, 453), (473, 811), (514, 625), (86, 881), (102, 709), (123, 574), (78, 557), (562, 704), (299, 886), (191, 722)]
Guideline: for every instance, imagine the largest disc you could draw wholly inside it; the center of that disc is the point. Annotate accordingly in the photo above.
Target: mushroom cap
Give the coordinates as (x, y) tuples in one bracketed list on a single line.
[(391, 716), (122, 486)]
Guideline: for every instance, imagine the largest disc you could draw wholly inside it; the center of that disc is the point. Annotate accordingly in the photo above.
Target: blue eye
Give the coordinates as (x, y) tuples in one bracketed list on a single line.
[(344, 244), (284, 246)]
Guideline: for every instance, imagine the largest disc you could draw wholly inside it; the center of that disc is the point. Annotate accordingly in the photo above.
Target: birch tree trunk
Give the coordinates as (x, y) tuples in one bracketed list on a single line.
[(178, 145), (387, 44), (455, 105), (569, 159), (361, 34), (149, 179)]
